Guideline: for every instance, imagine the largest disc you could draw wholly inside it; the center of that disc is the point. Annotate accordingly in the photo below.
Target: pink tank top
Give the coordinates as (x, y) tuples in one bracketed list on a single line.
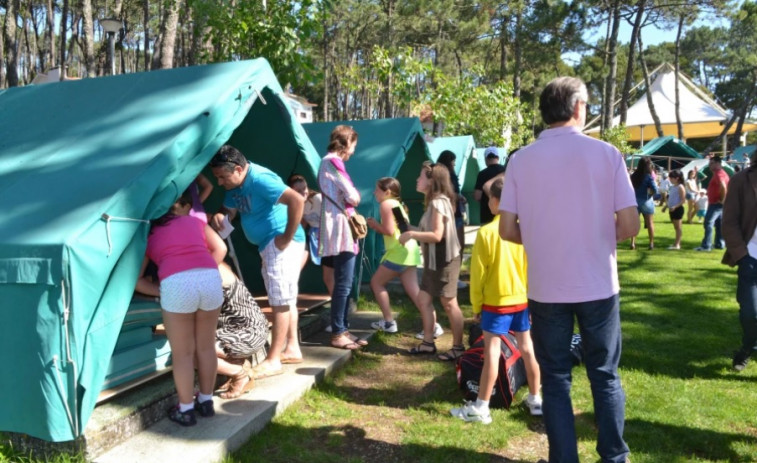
[(179, 245)]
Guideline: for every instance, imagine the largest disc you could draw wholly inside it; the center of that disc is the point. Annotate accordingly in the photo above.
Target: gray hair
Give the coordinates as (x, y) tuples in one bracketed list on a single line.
[(559, 98)]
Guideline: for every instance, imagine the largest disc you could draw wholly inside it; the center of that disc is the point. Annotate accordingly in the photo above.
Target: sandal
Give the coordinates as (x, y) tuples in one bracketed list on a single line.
[(430, 349), (355, 339), (238, 385), (346, 342), (453, 354)]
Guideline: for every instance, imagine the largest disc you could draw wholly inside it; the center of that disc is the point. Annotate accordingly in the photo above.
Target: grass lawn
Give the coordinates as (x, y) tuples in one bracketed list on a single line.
[(684, 403)]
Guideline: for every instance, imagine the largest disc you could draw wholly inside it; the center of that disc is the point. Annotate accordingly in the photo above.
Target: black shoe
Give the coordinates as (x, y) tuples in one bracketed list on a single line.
[(740, 359), (205, 409), (186, 418)]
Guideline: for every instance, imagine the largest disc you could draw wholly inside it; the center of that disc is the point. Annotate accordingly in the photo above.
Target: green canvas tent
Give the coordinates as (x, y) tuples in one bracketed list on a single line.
[(84, 164), (466, 166), (668, 152), (385, 148)]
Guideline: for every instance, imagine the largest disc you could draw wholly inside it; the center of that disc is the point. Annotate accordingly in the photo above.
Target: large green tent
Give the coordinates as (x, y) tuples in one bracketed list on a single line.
[(84, 164), (385, 148), (466, 166), (667, 152)]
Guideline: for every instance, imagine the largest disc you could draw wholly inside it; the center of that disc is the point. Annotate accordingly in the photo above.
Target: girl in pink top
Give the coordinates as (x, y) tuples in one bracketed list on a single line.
[(187, 253)]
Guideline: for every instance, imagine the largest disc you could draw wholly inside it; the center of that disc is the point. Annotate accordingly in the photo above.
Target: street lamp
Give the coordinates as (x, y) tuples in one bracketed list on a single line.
[(111, 26)]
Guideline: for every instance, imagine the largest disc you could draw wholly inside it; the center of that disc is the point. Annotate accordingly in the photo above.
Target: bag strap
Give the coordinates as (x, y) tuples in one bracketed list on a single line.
[(334, 203)]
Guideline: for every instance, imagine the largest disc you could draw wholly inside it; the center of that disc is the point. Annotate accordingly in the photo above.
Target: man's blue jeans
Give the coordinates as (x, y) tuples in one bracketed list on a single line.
[(712, 219), (746, 294), (344, 273), (552, 329)]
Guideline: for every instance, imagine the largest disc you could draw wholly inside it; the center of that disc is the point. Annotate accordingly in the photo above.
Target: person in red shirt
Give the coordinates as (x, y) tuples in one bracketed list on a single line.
[(716, 190)]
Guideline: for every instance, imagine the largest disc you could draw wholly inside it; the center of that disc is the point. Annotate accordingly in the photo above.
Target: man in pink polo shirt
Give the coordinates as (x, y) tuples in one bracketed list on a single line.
[(568, 198)]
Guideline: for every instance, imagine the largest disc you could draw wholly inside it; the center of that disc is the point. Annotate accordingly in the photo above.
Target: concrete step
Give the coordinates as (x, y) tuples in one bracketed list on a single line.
[(236, 420)]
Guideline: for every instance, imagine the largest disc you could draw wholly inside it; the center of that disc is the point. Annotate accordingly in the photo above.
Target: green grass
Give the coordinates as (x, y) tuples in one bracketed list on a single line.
[(684, 404)]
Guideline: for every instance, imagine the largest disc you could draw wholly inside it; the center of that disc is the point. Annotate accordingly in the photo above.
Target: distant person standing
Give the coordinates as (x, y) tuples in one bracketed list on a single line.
[(492, 169), (572, 265), (270, 214), (740, 234), (716, 191)]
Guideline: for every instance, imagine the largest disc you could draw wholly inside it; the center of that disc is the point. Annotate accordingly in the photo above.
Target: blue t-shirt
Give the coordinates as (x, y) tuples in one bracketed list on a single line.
[(256, 200)]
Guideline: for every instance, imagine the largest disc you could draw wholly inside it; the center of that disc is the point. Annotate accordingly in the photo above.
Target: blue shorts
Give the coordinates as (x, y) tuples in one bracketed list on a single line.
[(502, 323), (701, 212), (395, 267)]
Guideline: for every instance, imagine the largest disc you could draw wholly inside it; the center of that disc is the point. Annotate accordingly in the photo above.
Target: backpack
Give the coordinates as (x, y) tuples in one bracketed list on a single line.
[(512, 371)]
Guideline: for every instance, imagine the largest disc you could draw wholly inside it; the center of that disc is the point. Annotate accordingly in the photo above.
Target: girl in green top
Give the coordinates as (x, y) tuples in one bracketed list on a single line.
[(398, 260)]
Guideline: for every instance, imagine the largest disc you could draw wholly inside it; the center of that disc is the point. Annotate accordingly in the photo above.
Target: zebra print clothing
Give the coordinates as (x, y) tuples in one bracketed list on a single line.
[(242, 327)]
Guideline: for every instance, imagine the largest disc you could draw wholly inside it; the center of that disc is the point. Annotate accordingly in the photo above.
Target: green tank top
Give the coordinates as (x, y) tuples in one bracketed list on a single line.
[(409, 254)]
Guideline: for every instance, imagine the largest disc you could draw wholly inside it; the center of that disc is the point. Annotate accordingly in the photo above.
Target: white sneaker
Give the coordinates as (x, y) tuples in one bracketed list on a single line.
[(385, 326), (438, 331), (470, 413), (534, 404)]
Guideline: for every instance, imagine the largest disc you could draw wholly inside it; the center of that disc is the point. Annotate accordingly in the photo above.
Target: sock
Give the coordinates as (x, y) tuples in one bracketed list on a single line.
[(204, 397), (482, 404), (534, 397), (186, 407)]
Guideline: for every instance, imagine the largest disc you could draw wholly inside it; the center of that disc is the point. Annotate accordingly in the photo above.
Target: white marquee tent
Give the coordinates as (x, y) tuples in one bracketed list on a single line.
[(701, 116)]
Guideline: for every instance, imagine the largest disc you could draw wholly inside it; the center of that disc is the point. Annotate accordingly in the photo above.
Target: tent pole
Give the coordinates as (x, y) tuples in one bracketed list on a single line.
[(641, 127)]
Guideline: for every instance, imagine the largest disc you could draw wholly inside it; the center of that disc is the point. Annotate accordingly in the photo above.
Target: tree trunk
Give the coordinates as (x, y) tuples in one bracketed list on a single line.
[(744, 110), (166, 42), (146, 16), (612, 52), (88, 31), (11, 52), (518, 50), (648, 84), (503, 35), (39, 48), (679, 124), (624, 95), (63, 38), (50, 36)]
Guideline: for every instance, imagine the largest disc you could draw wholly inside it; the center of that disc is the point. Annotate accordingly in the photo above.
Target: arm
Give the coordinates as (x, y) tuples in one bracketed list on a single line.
[(477, 194), (295, 203), (205, 187), (626, 223), (387, 225), (216, 246), (731, 225), (509, 228), (477, 271), (723, 191), (144, 284), (216, 221), (434, 235)]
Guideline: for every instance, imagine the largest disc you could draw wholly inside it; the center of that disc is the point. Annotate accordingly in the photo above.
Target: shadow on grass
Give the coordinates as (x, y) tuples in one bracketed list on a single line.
[(666, 442), (348, 444)]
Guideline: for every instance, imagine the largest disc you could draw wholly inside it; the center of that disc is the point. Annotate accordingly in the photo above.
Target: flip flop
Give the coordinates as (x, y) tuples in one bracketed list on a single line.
[(348, 345), (290, 360), (260, 372), (355, 339)]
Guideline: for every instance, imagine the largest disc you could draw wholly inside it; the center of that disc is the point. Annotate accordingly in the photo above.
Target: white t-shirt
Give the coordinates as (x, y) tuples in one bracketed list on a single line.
[(312, 210), (751, 246)]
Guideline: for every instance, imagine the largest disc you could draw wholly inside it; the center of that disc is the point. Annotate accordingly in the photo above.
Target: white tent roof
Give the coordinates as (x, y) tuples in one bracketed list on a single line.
[(701, 116)]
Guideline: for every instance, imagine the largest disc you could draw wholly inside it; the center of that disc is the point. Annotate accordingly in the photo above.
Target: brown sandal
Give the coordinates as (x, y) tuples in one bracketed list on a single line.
[(355, 339), (346, 342), (237, 385)]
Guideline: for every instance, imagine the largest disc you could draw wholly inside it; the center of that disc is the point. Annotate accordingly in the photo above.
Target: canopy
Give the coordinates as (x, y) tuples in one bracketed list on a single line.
[(385, 148), (668, 152), (701, 116), (84, 164)]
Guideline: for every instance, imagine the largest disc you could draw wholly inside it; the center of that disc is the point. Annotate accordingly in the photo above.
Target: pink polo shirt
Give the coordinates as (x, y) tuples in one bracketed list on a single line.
[(565, 188)]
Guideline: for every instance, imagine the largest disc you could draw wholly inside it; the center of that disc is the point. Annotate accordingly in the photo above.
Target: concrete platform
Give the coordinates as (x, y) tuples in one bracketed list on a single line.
[(239, 419)]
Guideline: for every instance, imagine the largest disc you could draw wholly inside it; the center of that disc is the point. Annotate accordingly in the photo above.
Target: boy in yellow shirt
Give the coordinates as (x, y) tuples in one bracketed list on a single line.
[(498, 294)]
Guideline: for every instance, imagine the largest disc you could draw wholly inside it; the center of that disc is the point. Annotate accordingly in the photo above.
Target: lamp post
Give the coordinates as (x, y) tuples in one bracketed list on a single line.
[(111, 26)]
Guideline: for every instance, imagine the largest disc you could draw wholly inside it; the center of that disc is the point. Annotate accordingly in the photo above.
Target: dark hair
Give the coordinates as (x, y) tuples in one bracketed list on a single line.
[(559, 98), (643, 167), (495, 189), (390, 184), (341, 137), (184, 199), (447, 158), (228, 157), (676, 174), (294, 179), (717, 159)]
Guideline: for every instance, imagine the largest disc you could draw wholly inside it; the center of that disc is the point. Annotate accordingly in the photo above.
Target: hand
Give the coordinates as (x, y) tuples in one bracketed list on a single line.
[(281, 242), (405, 237), (216, 222), (477, 317), (371, 222)]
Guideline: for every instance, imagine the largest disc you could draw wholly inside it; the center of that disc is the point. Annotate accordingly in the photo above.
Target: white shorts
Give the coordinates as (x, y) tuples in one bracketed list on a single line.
[(281, 272), (190, 290)]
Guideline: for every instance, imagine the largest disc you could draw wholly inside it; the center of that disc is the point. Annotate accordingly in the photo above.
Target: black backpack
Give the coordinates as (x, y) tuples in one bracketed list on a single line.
[(512, 371)]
